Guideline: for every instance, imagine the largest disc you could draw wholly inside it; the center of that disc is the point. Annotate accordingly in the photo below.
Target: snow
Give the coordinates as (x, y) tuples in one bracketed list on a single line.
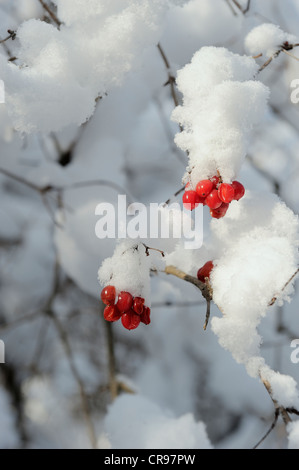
[(91, 53), (258, 257), (267, 39), (185, 379), (293, 430), (221, 106), (134, 422), (283, 388)]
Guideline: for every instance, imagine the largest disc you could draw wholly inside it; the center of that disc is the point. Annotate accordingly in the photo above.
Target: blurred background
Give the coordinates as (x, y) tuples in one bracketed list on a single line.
[(64, 365)]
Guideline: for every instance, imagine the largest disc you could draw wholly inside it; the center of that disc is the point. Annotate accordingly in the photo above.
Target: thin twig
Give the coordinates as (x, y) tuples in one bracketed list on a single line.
[(272, 427), (205, 289), (12, 35), (243, 10), (291, 55), (147, 250), (51, 13), (62, 334), (166, 203), (272, 302), (231, 7), (281, 410), (113, 384), (171, 78)]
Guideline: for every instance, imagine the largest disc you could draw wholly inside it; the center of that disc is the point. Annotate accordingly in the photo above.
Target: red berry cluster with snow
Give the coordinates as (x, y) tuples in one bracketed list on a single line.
[(131, 310), (213, 193)]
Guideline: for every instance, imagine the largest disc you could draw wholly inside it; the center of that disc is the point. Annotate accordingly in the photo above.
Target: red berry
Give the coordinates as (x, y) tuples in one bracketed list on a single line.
[(130, 320), (111, 313), (213, 201), (239, 190), (145, 317), (204, 188), (138, 305), (226, 193), (220, 212), (108, 295), (191, 200), (205, 271), (215, 180), (125, 302)]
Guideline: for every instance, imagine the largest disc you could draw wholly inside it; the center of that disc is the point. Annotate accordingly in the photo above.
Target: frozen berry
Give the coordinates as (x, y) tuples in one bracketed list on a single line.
[(138, 305), (213, 201), (205, 271), (226, 193), (215, 181), (204, 188), (220, 212), (130, 320), (191, 200), (146, 316), (111, 313), (108, 295), (125, 302), (239, 190)]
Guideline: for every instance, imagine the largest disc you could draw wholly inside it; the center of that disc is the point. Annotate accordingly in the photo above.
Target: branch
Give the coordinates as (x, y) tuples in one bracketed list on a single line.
[(51, 13), (278, 408), (171, 78), (272, 427), (205, 289), (70, 356), (285, 47), (272, 302), (243, 10), (12, 35), (113, 384)]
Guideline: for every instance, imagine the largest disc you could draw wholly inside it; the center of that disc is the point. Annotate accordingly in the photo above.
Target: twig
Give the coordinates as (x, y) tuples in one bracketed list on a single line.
[(286, 47), (12, 35), (166, 203), (231, 7), (147, 250), (243, 10), (280, 409), (291, 55), (205, 289), (62, 334), (208, 314), (272, 427), (272, 302), (19, 321), (113, 384), (171, 78), (51, 13)]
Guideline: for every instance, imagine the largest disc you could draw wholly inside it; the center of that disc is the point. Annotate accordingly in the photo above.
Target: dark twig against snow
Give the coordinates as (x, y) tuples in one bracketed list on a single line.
[(51, 13)]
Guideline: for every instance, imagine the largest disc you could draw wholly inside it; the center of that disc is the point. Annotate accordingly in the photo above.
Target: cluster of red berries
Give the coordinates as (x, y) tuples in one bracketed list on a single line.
[(131, 310), (214, 194), (204, 273)]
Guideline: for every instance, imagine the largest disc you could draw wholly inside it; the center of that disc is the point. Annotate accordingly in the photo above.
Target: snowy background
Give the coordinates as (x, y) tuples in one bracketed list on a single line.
[(87, 117)]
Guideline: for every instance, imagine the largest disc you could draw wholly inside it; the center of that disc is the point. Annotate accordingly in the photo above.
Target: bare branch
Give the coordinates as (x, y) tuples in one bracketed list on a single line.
[(12, 35), (272, 302), (113, 384), (147, 250), (62, 334), (171, 78), (166, 203), (272, 427), (51, 13)]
